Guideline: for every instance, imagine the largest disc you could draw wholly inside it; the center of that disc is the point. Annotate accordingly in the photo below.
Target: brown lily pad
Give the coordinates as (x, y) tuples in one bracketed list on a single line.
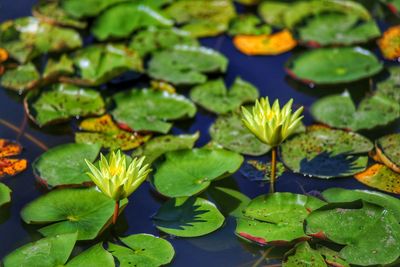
[(380, 177)]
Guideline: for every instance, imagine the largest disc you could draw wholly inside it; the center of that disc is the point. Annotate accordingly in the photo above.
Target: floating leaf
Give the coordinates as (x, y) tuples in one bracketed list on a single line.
[(163, 144), (248, 25), (229, 132), (154, 39), (142, 250), (338, 195), (189, 217), (333, 65), (63, 102), (95, 255), (79, 9), (380, 177), (5, 194), (23, 77), (202, 18), (185, 173), (273, 44), (214, 96), (150, 110), (272, 12), (26, 38), (123, 19), (326, 153), (10, 166), (365, 244), (337, 29), (65, 164), (52, 12), (103, 131), (259, 171), (276, 218), (339, 111), (86, 211), (390, 43), (100, 63), (387, 151), (389, 87), (58, 67), (186, 65), (229, 201), (304, 255)]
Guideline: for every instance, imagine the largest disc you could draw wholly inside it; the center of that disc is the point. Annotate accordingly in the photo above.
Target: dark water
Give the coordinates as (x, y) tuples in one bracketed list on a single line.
[(221, 248)]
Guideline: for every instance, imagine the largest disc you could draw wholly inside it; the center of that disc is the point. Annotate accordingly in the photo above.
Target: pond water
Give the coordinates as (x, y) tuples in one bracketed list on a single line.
[(222, 248)]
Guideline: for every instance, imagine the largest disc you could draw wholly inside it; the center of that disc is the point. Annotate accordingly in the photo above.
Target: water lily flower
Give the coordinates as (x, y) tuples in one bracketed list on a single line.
[(114, 179), (272, 125)]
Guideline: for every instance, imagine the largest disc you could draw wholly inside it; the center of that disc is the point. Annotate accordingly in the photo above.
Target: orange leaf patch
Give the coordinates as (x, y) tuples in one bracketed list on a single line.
[(273, 44), (3, 55), (9, 166), (390, 43), (380, 177)]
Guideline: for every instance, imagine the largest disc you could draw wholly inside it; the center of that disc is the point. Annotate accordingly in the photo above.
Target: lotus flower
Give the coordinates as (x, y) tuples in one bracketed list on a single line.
[(272, 125)]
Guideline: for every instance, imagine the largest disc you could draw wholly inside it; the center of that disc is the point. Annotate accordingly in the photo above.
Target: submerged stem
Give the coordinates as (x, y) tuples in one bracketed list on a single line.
[(273, 171), (116, 212)]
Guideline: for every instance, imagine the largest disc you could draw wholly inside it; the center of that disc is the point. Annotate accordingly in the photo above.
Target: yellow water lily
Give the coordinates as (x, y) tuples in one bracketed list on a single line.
[(272, 125)]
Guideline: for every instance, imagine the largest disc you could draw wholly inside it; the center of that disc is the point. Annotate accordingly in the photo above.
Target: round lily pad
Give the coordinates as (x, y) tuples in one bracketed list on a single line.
[(276, 218), (229, 132), (365, 244), (22, 78), (380, 177), (188, 217), (333, 65), (188, 172), (326, 153), (186, 65), (86, 211), (142, 250), (387, 148), (63, 102), (65, 164), (150, 110), (5, 194)]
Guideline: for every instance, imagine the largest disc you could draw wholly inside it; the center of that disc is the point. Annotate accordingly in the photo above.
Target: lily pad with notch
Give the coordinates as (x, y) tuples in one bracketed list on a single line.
[(62, 102), (22, 78), (186, 65), (326, 153), (188, 217), (65, 165), (381, 177), (142, 250), (215, 97), (150, 110), (333, 65), (85, 211), (188, 172)]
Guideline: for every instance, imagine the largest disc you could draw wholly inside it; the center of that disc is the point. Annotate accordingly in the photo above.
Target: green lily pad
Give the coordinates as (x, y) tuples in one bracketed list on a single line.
[(339, 111), (272, 12), (229, 201), (333, 65), (380, 177), (229, 132), (53, 13), (387, 150), (5, 194), (369, 233), (26, 38), (55, 67), (100, 63), (65, 164), (95, 256), (154, 39), (22, 78), (276, 218), (186, 65), (337, 29), (202, 18), (304, 255), (326, 153), (214, 96), (187, 172), (338, 195), (142, 250), (389, 88), (332, 257), (188, 217), (88, 8), (104, 131), (150, 110), (248, 25), (160, 145), (86, 211), (63, 102)]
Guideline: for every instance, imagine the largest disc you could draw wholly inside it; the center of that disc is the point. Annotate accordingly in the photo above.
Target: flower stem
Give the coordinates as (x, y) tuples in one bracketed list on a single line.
[(273, 171), (116, 212)]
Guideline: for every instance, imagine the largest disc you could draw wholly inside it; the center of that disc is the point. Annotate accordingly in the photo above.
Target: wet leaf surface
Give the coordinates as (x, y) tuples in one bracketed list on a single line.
[(22, 78), (188, 217), (380, 177)]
